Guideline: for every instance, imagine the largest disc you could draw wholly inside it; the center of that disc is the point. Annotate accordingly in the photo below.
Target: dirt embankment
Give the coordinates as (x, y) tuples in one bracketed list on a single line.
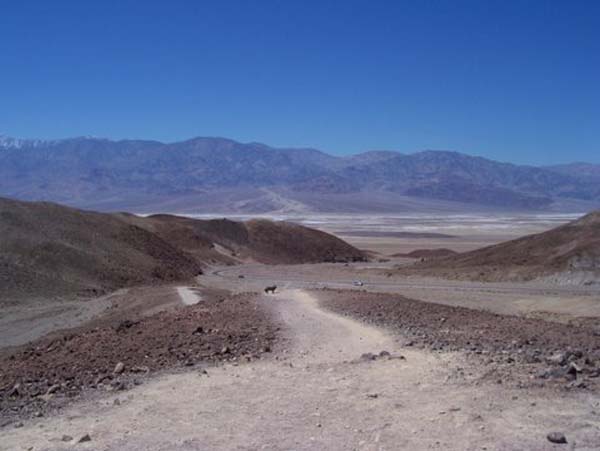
[(518, 350), (117, 353)]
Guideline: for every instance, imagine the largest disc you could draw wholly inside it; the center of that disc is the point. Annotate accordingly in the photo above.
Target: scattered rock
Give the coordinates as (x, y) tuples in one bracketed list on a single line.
[(578, 383), (552, 373), (117, 385), (52, 372), (126, 324), (384, 354), (119, 368), (53, 389), (559, 358), (514, 348), (367, 356), (102, 378), (85, 438), (574, 368), (557, 437), (14, 392), (66, 438)]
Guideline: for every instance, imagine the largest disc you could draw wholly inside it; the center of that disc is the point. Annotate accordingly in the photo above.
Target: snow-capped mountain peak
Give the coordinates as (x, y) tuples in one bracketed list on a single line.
[(8, 142)]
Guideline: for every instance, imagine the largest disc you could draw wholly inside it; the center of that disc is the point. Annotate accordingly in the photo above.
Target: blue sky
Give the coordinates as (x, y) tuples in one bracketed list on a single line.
[(510, 80)]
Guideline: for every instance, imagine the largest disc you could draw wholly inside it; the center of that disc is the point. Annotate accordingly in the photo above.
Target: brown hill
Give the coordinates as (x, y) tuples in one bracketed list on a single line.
[(569, 253), (283, 242), (189, 235), (49, 250), (264, 241)]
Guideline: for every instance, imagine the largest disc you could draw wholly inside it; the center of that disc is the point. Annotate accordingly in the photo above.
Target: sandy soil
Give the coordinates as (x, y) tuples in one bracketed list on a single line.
[(322, 395)]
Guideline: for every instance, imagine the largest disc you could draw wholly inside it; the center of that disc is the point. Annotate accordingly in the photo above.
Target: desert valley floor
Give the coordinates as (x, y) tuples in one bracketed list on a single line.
[(341, 356)]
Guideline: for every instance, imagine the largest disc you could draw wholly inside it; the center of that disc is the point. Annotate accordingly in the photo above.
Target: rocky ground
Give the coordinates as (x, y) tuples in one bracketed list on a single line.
[(118, 352), (513, 350), (320, 394)]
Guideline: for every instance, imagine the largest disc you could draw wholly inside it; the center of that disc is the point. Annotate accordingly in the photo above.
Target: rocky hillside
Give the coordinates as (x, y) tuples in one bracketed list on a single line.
[(221, 175), (49, 250), (566, 254), (260, 240)]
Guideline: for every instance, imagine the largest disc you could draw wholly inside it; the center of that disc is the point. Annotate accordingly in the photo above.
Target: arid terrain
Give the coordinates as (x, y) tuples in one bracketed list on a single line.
[(345, 355), (300, 225)]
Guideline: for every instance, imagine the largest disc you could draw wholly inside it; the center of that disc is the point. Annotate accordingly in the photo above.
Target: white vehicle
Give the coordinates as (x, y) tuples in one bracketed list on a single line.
[(358, 283)]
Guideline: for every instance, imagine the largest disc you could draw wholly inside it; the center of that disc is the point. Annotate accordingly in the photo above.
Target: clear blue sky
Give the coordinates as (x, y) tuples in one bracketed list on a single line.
[(510, 80)]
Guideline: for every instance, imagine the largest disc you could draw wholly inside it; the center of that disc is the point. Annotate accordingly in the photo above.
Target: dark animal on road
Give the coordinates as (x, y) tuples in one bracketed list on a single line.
[(271, 289)]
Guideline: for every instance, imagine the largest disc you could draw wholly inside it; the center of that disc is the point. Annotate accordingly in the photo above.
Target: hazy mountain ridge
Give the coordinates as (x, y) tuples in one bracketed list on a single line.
[(578, 169), (100, 173)]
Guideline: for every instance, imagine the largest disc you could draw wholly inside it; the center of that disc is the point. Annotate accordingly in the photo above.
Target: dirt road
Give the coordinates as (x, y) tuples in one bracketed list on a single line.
[(321, 395), (503, 297)]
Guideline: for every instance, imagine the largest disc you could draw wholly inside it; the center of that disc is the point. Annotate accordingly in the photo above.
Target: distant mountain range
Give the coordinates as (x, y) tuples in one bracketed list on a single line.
[(216, 175)]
